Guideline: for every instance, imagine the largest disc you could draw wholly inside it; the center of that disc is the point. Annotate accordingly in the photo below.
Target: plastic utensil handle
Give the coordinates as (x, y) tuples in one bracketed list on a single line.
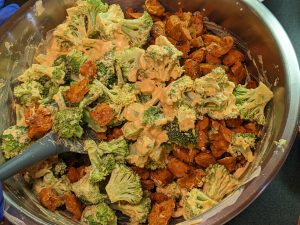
[(40, 150)]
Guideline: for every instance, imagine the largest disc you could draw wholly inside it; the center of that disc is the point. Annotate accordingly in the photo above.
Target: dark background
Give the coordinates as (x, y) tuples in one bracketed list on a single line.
[(280, 202)]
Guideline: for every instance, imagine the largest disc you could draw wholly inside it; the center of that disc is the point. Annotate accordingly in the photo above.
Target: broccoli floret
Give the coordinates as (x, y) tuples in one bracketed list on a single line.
[(71, 64), (132, 130), (37, 71), (28, 92), (184, 139), (94, 7), (106, 71), (217, 100), (58, 97), (91, 123), (251, 103), (137, 213), (102, 163), (161, 61), (154, 116), (155, 165), (67, 123), (178, 88), (242, 144), (14, 140), (218, 182), (124, 185), (118, 147), (108, 23), (50, 90), (61, 185), (87, 191), (95, 91), (137, 30), (140, 150), (186, 116), (59, 169), (120, 97), (100, 214), (171, 190), (129, 62), (196, 203)]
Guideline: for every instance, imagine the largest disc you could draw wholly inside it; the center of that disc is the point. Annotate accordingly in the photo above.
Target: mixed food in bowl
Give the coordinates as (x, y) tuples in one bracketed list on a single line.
[(173, 114)]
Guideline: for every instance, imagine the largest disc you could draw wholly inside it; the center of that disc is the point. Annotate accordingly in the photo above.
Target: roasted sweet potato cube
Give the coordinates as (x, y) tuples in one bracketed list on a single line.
[(213, 60), (204, 159), (50, 199), (73, 205), (148, 184), (158, 197), (228, 162), (233, 123), (192, 68), (161, 213), (185, 155), (143, 173), (232, 57), (177, 167), (198, 55), (154, 7), (193, 179), (161, 177)]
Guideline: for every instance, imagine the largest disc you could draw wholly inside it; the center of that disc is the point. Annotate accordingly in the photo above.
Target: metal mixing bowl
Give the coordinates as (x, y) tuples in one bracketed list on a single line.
[(249, 20)]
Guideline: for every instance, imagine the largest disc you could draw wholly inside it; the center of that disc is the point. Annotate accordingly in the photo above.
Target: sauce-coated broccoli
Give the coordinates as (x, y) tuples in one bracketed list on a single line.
[(124, 185), (252, 102)]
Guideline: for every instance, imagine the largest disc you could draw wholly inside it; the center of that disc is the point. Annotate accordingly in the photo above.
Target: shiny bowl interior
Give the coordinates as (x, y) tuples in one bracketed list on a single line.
[(271, 58)]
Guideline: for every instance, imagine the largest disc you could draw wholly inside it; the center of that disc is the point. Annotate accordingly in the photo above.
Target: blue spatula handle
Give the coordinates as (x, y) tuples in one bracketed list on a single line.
[(40, 150)]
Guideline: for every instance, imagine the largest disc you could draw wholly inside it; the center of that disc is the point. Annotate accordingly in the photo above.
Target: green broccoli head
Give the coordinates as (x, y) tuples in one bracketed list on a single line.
[(100, 214), (196, 203), (138, 213), (94, 7), (184, 139), (59, 168), (242, 144), (106, 71), (154, 116), (178, 88), (217, 100), (70, 64), (118, 147), (108, 23), (137, 30), (95, 91), (161, 61), (124, 185), (28, 92), (14, 140), (129, 62), (120, 96), (61, 185), (67, 123), (102, 163), (251, 103), (37, 71), (219, 182), (87, 191), (50, 89)]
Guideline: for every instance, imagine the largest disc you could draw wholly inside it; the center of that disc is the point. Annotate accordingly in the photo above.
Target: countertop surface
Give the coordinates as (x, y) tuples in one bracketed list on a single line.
[(279, 204)]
